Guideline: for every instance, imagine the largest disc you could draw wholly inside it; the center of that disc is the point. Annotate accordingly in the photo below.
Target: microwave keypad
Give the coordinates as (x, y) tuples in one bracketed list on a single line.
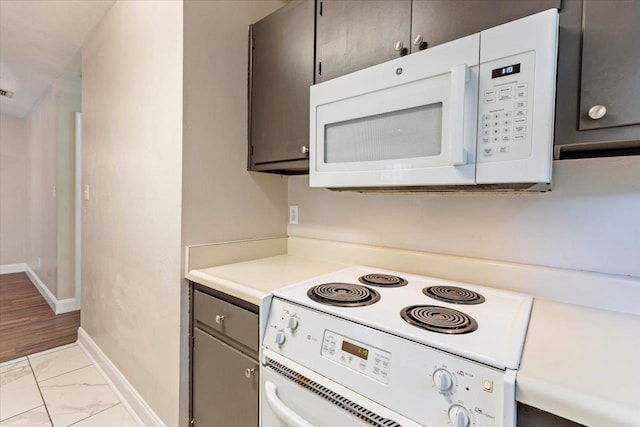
[(505, 126), (505, 111)]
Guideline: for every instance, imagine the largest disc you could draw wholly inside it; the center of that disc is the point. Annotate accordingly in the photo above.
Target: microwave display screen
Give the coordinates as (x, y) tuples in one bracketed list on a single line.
[(505, 71)]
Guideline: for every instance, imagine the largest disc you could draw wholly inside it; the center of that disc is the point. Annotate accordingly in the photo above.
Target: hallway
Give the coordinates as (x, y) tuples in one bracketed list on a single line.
[(27, 323)]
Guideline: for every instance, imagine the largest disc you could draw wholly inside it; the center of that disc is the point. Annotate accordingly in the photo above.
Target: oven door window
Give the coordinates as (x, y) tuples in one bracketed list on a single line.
[(409, 133)]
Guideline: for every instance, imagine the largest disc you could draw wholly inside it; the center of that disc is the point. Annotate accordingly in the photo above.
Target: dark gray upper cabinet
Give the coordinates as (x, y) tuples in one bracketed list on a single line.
[(311, 41), (281, 72), (434, 22), (610, 69), (355, 34), (598, 65)]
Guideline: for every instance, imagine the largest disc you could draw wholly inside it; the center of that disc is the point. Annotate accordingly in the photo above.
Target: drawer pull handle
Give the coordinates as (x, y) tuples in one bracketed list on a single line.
[(249, 372), (219, 319)]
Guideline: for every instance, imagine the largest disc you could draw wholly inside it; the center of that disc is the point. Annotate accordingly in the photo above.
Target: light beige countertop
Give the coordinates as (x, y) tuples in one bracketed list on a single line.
[(252, 280), (582, 364), (579, 362)]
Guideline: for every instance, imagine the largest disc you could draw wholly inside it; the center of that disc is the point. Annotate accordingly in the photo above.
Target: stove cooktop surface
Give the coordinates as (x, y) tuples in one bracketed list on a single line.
[(480, 323)]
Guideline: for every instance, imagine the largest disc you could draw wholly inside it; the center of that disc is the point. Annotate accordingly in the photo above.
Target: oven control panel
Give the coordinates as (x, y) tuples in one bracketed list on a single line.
[(363, 358), (451, 390)]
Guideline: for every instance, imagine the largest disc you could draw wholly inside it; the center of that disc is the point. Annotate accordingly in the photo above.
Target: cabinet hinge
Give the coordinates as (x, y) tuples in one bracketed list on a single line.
[(320, 8), (192, 343), (320, 68), (253, 43), (252, 150)]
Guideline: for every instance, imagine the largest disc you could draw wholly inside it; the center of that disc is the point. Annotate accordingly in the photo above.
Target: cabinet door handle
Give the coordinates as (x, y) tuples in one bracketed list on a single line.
[(418, 40), (398, 46), (304, 149), (219, 319), (249, 372), (283, 412), (597, 112)]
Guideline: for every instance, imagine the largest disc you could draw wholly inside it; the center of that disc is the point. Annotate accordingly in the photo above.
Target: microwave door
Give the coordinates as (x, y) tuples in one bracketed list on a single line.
[(412, 131)]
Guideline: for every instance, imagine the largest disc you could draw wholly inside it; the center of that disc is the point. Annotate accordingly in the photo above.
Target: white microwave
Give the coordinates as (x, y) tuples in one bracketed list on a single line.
[(476, 113)]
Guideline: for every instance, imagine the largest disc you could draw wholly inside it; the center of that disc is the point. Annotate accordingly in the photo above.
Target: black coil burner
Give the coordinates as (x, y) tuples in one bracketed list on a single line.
[(439, 319), (383, 280), (453, 295), (343, 294)]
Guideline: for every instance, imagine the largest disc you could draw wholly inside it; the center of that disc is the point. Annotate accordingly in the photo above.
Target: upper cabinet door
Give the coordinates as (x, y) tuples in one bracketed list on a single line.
[(355, 34), (281, 74), (438, 21), (610, 64)]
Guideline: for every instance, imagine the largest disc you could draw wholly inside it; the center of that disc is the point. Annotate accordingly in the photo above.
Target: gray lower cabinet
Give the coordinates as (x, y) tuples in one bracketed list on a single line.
[(223, 396), (529, 416), (598, 94), (224, 367)]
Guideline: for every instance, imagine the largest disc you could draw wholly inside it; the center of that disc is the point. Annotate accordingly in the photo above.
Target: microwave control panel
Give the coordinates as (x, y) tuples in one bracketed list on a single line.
[(506, 108)]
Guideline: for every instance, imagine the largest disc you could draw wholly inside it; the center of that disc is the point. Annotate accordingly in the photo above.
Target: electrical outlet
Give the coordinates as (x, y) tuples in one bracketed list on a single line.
[(86, 192), (53, 191), (293, 214)]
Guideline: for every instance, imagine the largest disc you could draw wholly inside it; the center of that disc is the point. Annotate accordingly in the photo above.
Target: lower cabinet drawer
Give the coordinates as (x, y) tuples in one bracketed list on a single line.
[(229, 320), (225, 384)]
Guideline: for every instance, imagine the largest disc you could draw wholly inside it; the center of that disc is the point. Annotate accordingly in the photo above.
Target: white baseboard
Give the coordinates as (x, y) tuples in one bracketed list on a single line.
[(66, 305), (130, 398), (58, 306), (13, 268)]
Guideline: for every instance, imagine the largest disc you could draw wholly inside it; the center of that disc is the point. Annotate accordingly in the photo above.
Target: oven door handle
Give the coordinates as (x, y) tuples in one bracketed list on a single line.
[(283, 411), (459, 77)]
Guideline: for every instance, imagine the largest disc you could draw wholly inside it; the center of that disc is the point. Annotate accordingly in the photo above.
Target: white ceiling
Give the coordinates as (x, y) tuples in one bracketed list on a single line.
[(40, 41)]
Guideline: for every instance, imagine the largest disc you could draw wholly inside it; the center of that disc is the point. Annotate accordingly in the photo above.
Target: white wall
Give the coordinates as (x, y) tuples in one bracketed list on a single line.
[(42, 235), (69, 102), (50, 191), (13, 189), (221, 200), (132, 161), (590, 221)]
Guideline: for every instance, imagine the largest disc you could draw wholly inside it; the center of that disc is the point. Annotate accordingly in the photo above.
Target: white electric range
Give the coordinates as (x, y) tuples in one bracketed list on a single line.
[(365, 346)]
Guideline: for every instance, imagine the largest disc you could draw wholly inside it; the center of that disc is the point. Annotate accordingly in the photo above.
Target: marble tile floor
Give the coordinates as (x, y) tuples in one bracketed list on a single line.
[(59, 388)]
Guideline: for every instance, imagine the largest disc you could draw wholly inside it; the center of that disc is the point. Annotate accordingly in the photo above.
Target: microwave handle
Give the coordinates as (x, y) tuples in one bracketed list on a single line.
[(459, 77), (283, 412)]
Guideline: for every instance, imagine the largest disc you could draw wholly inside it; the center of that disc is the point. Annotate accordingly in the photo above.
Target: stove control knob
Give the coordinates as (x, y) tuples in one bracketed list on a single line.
[(281, 338), (459, 416), (293, 323), (443, 380)]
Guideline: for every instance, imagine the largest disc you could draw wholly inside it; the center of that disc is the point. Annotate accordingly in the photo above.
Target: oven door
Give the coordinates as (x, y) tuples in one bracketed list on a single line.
[(293, 396), (407, 122)]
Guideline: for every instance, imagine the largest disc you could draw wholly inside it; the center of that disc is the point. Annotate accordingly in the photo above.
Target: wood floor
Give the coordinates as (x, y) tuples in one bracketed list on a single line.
[(27, 323)]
